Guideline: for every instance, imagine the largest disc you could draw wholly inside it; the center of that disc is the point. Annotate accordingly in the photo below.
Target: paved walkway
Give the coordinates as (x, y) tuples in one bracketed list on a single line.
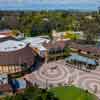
[(58, 73)]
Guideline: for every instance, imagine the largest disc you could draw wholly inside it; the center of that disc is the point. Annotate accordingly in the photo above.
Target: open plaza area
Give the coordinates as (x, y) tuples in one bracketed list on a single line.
[(58, 73)]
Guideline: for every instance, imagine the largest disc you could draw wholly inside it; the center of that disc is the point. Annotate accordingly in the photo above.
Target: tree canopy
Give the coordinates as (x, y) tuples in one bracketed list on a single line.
[(43, 22)]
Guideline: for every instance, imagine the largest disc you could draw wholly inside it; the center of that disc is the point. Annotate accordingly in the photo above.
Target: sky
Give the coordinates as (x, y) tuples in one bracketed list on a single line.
[(49, 4)]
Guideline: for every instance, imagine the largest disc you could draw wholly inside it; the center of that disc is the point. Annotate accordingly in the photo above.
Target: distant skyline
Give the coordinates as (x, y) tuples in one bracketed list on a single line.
[(49, 4)]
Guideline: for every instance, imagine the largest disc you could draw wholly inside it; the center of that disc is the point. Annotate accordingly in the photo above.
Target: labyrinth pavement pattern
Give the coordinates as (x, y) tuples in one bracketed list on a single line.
[(58, 73), (89, 81)]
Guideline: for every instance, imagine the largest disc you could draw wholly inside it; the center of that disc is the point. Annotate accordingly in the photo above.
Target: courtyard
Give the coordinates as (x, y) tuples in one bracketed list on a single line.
[(58, 73)]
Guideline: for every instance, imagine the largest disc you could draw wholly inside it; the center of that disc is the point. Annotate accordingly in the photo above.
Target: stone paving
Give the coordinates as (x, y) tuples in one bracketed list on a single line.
[(89, 81), (58, 73)]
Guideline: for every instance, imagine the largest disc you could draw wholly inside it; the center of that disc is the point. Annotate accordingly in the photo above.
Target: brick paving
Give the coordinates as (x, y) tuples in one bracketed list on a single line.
[(57, 72)]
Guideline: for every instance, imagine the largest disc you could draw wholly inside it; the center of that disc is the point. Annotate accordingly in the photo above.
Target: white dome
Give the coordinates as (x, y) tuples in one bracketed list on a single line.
[(11, 45)]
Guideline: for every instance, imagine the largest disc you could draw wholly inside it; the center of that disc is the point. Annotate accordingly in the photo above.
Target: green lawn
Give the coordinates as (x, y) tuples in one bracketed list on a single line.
[(72, 93)]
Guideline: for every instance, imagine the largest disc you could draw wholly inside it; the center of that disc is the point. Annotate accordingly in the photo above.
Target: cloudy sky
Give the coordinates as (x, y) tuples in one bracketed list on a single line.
[(48, 4)]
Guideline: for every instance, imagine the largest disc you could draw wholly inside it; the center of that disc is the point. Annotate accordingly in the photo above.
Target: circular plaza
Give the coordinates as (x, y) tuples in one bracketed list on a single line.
[(57, 73), (54, 73)]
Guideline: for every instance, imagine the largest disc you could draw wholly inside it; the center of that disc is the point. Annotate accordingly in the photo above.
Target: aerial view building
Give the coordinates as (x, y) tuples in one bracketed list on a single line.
[(13, 54), (49, 50)]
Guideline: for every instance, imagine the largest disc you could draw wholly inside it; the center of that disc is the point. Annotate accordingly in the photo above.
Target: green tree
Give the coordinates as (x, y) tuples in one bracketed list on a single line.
[(91, 30)]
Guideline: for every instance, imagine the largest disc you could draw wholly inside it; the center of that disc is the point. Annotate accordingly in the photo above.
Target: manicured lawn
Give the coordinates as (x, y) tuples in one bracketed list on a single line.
[(72, 93)]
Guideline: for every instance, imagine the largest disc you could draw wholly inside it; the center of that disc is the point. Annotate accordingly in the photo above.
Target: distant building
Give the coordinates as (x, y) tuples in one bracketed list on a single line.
[(5, 33), (89, 17), (58, 35), (92, 50), (11, 33), (61, 35)]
